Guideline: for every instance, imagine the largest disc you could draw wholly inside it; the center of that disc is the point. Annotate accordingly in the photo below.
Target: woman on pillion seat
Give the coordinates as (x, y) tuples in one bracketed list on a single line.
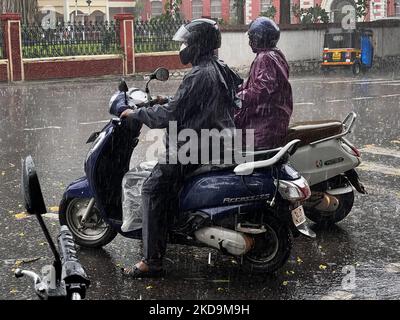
[(266, 95)]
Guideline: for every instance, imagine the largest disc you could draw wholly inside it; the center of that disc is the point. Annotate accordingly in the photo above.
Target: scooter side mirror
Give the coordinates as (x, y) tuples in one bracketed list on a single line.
[(123, 87), (31, 190), (161, 74)]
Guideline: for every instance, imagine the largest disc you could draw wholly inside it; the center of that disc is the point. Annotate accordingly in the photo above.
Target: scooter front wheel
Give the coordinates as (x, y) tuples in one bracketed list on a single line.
[(271, 249), (92, 233), (326, 218)]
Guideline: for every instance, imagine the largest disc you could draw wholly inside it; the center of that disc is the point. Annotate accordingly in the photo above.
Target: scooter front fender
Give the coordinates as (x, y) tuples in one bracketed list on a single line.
[(78, 189)]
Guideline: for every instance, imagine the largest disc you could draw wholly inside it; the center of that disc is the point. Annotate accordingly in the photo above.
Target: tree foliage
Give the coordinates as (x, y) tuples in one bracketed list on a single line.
[(269, 13), (311, 15), (27, 8), (361, 8), (172, 11), (238, 5)]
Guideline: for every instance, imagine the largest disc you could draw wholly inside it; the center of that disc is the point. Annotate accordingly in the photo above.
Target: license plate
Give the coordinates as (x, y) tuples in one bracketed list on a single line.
[(298, 216), (337, 55)]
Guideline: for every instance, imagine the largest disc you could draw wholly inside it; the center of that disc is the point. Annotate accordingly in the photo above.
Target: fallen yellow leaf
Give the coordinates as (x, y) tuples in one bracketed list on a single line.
[(21, 234), (54, 209), (322, 267), (285, 283), (3, 173), (220, 289), (299, 260), (21, 215), (18, 263), (149, 287), (13, 291)]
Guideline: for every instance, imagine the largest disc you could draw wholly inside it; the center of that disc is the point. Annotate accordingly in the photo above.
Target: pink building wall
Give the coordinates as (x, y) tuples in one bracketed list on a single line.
[(186, 9)]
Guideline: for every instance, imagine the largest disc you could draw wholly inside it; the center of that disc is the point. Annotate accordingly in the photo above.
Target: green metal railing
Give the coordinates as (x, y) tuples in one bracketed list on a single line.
[(70, 40), (95, 38), (156, 35)]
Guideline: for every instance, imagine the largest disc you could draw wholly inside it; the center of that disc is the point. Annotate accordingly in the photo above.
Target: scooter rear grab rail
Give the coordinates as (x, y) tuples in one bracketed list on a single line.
[(247, 168), (348, 123)]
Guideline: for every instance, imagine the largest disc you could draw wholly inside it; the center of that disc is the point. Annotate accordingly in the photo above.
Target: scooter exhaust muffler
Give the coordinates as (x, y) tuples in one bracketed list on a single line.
[(322, 201), (235, 243)]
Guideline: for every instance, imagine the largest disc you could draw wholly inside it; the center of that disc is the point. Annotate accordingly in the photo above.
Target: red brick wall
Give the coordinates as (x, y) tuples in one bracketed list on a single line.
[(3, 72), (47, 69), (150, 62)]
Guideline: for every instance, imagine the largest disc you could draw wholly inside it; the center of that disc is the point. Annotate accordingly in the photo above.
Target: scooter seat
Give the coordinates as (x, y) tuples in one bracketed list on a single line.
[(206, 168), (311, 131)]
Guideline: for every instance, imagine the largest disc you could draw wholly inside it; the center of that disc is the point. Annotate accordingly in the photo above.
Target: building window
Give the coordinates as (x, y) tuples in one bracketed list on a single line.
[(397, 5), (265, 5), (197, 9), (156, 8), (216, 9)]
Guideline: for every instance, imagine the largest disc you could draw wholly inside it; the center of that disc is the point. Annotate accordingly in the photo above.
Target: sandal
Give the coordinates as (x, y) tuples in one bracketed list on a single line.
[(135, 272)]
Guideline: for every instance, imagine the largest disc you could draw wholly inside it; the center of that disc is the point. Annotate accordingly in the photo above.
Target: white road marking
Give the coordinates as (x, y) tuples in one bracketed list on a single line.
[(393, 267), (364, 98), (304, 103), (381, 151), (372, 81), (391, 95), (376, 167), (338, 295), (338, 100), (94, 122), (42, 128)]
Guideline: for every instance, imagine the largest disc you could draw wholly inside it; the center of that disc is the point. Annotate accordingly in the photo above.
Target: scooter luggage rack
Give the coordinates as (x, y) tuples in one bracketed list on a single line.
[(248, 167), (351, 117)]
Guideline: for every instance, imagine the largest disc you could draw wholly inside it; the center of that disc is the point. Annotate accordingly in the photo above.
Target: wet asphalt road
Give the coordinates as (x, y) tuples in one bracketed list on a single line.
[(52, 120)]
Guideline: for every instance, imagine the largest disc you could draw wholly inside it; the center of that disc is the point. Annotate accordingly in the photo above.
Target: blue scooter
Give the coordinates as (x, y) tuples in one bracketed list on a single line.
[(250, 211)]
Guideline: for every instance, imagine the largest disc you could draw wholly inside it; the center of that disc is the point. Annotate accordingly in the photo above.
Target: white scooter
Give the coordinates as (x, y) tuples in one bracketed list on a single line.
[(328, 161)]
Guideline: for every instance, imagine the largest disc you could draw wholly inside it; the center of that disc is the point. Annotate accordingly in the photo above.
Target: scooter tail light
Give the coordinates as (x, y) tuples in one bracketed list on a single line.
[(349, 148), (356, 152), (297, 190)]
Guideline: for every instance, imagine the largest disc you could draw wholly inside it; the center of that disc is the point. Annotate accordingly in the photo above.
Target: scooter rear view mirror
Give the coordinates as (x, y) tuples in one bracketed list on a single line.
[(31, 190), (161, 74), (123, 87)]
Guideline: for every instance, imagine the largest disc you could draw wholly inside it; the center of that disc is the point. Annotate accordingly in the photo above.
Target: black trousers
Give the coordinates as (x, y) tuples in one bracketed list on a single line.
[(159, 189)]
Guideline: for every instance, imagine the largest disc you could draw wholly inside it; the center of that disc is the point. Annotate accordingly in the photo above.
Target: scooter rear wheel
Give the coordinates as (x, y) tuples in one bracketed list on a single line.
[(93, 234), (321, 218), (271, 248)]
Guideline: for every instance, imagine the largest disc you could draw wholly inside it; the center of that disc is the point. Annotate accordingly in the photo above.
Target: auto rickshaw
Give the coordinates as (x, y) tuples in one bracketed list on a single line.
[(348, 48)]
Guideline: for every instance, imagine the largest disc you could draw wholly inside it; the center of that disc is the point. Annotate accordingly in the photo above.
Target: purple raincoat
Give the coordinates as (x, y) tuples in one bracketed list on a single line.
[(267, 102)]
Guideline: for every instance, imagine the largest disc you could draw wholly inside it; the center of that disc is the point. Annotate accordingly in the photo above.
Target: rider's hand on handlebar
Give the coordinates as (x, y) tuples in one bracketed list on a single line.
[(126, 113), (159, 100)]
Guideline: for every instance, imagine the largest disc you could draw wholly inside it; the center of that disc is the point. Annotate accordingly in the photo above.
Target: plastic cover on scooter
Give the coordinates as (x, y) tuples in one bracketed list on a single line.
[(131, 199)]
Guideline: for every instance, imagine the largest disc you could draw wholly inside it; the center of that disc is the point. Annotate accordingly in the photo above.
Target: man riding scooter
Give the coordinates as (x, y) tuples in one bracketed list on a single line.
[(266, 96), (204, 100)]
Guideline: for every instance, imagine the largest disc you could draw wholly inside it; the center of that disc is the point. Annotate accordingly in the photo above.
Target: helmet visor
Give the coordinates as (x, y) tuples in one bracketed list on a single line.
[(181, 35)]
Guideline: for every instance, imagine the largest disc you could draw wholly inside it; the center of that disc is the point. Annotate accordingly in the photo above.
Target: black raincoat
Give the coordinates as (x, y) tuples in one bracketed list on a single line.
[(206, 99)]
